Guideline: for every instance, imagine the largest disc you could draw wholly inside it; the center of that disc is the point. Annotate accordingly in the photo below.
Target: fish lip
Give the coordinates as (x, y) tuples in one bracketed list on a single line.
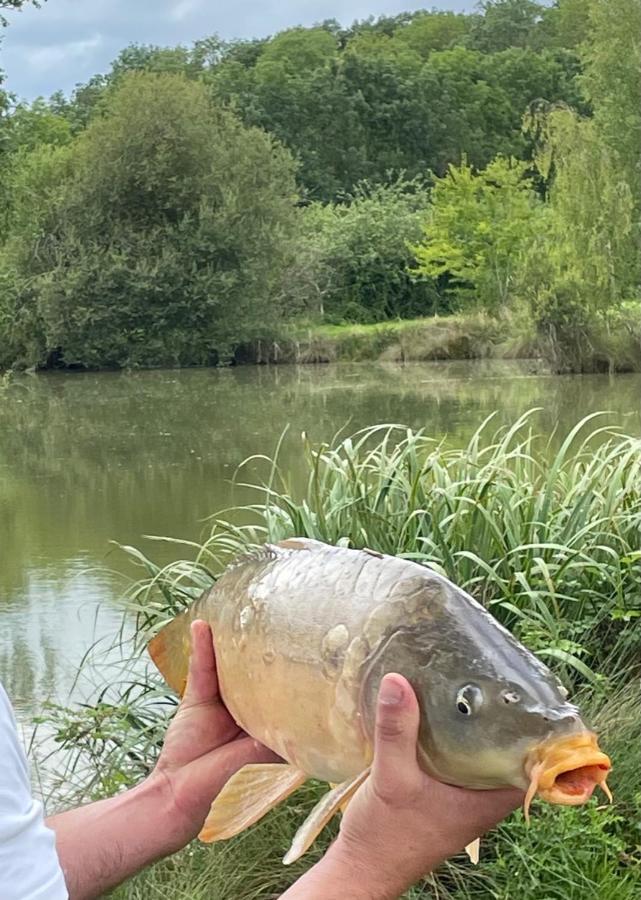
[(578, 790), (577, 756)]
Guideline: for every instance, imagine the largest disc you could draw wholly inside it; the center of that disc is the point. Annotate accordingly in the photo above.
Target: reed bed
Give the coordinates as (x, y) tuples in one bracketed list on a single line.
[(544, 531)]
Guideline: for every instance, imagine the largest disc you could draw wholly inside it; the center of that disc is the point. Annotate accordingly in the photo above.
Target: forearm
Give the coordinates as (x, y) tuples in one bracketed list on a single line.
[(103, 843)]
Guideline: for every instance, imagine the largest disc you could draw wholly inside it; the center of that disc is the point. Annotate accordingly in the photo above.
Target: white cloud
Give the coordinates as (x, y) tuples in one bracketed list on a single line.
[(182, 9), (45, 57), (65, 42)]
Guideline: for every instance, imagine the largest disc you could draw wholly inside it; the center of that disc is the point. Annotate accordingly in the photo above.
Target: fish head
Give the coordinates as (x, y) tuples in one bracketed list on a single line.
[(482, 732), (492, 714)]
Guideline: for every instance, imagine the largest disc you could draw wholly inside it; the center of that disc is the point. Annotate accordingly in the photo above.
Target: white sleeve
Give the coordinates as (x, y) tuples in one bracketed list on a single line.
[(29, 865)]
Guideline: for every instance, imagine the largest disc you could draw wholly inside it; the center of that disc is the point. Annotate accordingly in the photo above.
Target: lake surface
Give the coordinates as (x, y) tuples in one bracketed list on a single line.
[(86, 459)]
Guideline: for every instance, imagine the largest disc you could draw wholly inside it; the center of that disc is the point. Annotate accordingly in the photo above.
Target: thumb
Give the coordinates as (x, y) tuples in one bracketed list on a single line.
[(396, 735), (202, 680)]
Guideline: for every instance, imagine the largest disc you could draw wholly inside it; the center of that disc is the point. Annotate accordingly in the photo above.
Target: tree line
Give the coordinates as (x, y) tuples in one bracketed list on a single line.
[(193, 199)]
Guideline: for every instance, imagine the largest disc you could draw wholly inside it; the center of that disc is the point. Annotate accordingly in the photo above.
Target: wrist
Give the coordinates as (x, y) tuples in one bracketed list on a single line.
[(376, 873), (157, 795), (344, 871)]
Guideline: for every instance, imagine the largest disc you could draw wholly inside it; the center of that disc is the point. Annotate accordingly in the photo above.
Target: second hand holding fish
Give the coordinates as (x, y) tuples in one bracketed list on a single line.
[(400, 824), (203, 746)]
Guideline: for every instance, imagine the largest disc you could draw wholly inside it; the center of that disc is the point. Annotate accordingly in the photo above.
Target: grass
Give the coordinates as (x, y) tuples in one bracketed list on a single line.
[(611, 346), (548, 539), (565, 854), (465, 336)]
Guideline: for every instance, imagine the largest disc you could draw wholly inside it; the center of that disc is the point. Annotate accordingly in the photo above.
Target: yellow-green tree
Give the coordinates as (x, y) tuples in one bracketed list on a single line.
[(478, 229)]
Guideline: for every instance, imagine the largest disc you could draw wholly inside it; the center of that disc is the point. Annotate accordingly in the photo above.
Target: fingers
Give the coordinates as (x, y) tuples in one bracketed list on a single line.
[(202, 680), (396, 735)]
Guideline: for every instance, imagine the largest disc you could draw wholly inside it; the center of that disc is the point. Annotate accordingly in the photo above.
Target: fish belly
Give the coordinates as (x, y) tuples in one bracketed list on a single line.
[(285, 637)]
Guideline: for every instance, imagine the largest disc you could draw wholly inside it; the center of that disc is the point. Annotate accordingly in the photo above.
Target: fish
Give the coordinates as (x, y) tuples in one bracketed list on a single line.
[(305, 631)]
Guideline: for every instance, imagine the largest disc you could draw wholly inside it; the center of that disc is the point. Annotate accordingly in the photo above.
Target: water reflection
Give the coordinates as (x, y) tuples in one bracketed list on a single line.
[(58, 613), (86, 459)]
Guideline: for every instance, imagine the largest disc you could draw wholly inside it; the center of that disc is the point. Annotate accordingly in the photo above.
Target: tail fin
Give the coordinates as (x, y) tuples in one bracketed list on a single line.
[(170, 650)]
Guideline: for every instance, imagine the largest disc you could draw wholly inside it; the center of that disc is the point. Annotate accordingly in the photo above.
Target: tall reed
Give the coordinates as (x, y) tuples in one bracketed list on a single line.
[(546, 532)]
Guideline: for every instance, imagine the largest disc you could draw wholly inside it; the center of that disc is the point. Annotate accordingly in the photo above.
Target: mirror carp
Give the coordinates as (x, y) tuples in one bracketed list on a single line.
[(304, 633)]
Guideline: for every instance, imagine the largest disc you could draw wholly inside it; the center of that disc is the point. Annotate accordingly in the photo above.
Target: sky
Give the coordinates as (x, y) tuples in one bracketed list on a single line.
[(65, 42)]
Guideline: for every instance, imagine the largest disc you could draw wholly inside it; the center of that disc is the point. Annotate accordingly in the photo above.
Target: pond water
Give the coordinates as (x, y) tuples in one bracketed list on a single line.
[(87, 459)]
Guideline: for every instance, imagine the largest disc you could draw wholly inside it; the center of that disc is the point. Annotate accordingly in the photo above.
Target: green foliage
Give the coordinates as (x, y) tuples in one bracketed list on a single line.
[(433, 31), (613, 84), (28, 127), (581, 265), (32, 125), (295, 52), (548, 540), (353, 258), (506, 23), (157, 237), (542, 217), (408, 96), (13, 6), (478, 227)]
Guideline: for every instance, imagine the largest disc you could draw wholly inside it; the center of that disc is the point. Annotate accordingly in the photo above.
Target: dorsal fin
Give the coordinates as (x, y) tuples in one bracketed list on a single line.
[(301, 543), (268, 551)]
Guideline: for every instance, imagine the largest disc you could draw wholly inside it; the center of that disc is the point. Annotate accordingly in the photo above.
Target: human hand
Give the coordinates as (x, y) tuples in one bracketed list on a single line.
[(203, 746), (401, 823)]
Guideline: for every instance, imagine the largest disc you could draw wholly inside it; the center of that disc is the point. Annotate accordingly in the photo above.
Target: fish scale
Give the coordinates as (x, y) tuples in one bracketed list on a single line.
[(304, 633)]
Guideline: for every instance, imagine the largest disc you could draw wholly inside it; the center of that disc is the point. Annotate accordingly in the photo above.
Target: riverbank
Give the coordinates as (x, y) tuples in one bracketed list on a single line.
[(526, 529), (600, 348), (612, 348)]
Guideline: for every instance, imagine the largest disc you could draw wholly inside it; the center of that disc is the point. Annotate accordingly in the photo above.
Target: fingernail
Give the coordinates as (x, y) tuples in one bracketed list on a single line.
[(391, 692)]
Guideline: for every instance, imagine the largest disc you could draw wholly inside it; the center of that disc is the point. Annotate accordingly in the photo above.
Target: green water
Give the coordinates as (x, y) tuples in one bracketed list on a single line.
[(90, 458)]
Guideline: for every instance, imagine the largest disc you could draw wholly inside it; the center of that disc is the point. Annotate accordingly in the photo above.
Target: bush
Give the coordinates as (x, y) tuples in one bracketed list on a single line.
[(157, 237), (353, 259)]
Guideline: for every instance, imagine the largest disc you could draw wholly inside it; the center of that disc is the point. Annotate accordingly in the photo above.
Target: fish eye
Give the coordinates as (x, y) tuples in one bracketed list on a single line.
[(469, 699)]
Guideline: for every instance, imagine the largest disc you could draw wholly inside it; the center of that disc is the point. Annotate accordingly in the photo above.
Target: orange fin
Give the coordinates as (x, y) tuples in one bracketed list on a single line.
[(473, 850), (247, 797), (324, 810), (345, 803), (170, 650)]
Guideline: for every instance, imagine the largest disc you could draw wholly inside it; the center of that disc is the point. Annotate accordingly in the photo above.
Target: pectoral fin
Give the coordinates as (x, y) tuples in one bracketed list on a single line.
[(473, 850), (247, 797), (324, 810), (345, 803)]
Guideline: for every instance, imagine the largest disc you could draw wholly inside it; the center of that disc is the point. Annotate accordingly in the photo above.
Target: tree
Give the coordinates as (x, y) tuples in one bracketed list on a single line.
[(30, 125), (296, 51), (24, 128), (612, 81), (434, 31), (580, 265), (402, 96), (352, 259), (14, 6), (506, 23), (157, 237), (479, 225)]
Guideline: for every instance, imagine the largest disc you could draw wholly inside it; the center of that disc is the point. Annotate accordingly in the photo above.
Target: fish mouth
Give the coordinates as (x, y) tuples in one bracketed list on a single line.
[(566, 770)]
